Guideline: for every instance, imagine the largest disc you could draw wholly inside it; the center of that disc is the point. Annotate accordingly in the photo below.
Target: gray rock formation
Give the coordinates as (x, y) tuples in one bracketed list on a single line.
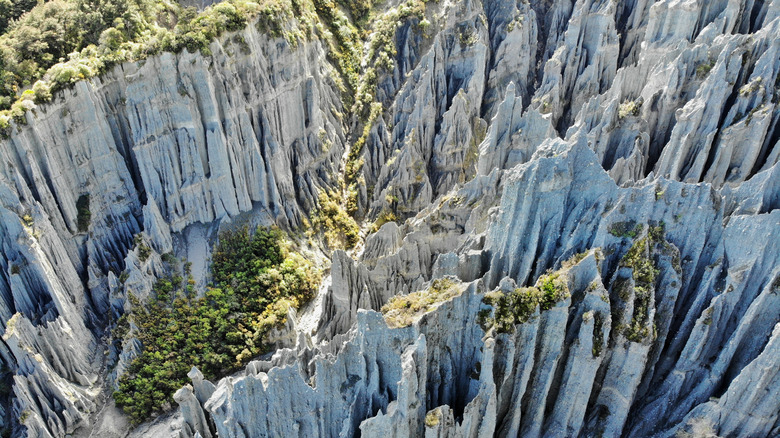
[(632, 145), (152, 146), (618, 357)]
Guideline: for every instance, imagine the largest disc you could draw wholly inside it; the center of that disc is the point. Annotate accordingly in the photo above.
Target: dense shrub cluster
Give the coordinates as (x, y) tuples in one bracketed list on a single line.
[(339, 228), (257, 279), (519, 305), (359, 9), (644, 272), (59, 42), (627, 229), (379, 58), (53, 30), (12, 9)]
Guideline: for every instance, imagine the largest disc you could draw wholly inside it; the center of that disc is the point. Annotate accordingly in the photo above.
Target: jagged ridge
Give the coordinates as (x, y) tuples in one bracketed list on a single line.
[(505, 132)]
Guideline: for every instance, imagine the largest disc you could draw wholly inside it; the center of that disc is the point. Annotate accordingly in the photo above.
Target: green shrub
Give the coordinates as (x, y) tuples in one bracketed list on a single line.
[(598, 334), (41, 92), (83, 215), (144, 252), (338, 227), (384, 217), (257, 280), (466, 36), (5, 124), (432, 418), (629, 108), (554, 289), (627, 229), (519, 305), (640, 258), (515, 307), (121, 328), (703, 70), (751, 87)]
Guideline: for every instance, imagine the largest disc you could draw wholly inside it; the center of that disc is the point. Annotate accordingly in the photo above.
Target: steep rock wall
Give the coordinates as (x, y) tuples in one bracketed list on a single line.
[(152, 146), (513, 137), (665, 349)]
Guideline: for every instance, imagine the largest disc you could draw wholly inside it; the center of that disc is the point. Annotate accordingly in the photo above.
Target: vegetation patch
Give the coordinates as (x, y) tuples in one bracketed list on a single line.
[(60, 42), (751, 87), (432, 418), (83, 215), (598, 334), (10, 325), (344, 43), (516, 23), (379, 57), (403, 310), (628, 229), (144, 250), (708, 316), (466, 36), (644, 272), (257, 279), (519, 305), (384, 217), (703, 70), (629, 108), (358, 9), (576, 258), (340, 229)]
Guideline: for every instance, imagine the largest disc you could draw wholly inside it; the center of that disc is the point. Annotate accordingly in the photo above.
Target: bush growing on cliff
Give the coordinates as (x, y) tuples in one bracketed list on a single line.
[(257, 280), (84, 216), (640, 258), (59, 42), (339, 228), (518, 306), (402, 310)]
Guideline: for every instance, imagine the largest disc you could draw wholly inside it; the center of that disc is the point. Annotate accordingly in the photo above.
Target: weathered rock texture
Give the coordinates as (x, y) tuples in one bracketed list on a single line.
[(514, 136), (152, 147), (654, 360)]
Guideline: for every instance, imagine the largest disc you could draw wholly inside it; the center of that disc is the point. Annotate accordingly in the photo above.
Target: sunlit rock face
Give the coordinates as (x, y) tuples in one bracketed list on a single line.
[(596, 139), (152, 147)]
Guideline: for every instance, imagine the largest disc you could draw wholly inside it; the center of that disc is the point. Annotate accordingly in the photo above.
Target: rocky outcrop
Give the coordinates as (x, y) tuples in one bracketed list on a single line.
[(619, 357), (154, 146), (662, 87), (514, 139)]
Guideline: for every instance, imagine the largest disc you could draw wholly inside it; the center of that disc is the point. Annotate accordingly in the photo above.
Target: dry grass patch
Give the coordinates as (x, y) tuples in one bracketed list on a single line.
[(403, 310)]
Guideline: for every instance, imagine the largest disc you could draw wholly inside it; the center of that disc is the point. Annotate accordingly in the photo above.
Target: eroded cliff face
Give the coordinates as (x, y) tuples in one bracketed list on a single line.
[(514, 136), (154, 147)]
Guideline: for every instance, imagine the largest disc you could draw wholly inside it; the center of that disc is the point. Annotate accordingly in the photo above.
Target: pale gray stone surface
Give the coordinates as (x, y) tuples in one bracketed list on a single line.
[(515, 135)]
